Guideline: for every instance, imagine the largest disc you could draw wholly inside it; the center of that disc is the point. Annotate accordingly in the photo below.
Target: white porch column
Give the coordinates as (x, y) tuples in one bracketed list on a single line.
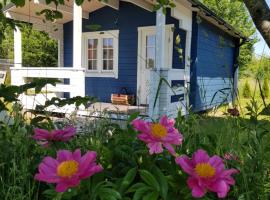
[(17, 47), (16, 76), (154, 111), (77, 36)]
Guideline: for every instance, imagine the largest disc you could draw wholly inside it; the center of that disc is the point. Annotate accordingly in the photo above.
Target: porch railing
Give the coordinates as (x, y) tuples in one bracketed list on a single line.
[(73, 82)]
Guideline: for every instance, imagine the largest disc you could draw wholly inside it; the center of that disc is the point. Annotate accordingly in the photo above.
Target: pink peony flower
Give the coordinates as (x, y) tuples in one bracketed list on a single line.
[(68, 169), (45, 137), (206, 174), (157, 135)]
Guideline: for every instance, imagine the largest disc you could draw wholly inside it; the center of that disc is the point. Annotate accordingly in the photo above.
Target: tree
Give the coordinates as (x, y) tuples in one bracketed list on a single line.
[(38, 49), (246, 90), (260, 13), (235, 13)]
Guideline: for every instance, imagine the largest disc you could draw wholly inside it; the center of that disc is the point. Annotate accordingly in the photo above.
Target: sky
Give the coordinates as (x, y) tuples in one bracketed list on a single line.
[(261, 47)]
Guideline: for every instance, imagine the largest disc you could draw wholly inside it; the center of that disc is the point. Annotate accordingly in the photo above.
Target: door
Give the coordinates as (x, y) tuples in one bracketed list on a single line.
[(147, 62), (147, 59)]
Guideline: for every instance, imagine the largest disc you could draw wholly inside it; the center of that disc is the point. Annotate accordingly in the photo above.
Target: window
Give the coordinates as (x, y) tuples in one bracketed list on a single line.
[(101, 53)]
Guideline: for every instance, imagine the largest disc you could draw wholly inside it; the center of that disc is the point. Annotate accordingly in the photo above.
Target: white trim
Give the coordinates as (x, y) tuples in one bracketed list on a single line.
[(141, 52), (17, 47), (77, 36), (142, 3), (100, 35)]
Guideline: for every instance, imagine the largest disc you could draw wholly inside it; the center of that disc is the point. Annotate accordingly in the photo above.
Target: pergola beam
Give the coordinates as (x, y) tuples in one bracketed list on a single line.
[(112, 3), (142, 3), (61, 8)]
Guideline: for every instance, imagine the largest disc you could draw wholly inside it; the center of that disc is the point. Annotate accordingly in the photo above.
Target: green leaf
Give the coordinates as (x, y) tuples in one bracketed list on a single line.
[(128, 179), (135, 187), (140, 192), (151, 196), (149, 179), (163, 183)]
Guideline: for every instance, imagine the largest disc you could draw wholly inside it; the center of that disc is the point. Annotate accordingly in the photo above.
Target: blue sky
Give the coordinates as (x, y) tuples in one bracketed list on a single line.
[(261, 44)]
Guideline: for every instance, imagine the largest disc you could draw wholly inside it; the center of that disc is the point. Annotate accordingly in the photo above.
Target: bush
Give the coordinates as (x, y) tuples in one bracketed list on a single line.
[(265, 88), (247, 90)]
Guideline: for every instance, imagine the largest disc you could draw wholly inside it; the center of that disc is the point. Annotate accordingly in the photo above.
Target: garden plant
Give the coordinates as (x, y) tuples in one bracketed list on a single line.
[(190, 157)]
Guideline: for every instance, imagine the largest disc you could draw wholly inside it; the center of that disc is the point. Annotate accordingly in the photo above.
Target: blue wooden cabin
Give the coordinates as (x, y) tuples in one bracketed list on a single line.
[(126, 47)]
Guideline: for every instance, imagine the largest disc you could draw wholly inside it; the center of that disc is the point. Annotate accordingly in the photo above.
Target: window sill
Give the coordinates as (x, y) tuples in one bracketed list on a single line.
[(103, 74)]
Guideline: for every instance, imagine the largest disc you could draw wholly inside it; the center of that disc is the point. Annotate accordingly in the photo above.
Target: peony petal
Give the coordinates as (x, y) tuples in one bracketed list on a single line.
[(197, 191), (165, 121), (217, 163), (170, 148), (155, 147), (220, 187), (77, 155), (47, 178), (186, 164), (63, 155), (141, 126), (86, 160), (200, 156), (62, 187), (41, 134), (91, 171)]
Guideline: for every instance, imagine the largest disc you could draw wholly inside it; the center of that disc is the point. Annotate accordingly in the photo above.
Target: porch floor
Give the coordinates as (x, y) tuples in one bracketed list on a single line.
[(117, 109)]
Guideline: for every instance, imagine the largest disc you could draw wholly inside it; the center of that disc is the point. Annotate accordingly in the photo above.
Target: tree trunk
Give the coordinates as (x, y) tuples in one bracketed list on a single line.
[(260, 13)]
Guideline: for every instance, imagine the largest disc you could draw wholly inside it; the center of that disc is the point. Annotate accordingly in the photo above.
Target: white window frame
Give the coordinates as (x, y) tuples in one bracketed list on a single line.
[(100, 35)]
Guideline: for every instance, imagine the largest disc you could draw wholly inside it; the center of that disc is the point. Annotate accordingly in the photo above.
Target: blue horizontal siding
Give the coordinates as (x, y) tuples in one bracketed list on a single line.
[(212, 68), (127, 20)]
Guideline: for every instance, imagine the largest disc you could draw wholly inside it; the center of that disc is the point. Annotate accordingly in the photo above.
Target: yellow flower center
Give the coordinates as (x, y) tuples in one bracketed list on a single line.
[(158, 130), (67, 169), (205, 170)]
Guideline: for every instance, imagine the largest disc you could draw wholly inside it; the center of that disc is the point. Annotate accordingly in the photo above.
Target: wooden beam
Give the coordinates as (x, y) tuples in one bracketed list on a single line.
[(62, 8), (142, 3), (112, 3)]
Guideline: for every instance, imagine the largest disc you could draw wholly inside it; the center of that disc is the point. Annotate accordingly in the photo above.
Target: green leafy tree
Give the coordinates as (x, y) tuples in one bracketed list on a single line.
[(246, 90), (39, 50), (235, 13)]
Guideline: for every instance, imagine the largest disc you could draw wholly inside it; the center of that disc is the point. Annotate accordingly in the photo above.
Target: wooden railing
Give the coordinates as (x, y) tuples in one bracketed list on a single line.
[(75, 78)]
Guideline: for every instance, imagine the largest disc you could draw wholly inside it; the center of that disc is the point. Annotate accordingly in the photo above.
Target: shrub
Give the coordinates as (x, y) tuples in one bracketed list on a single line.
[(265, 88), (247, 90)]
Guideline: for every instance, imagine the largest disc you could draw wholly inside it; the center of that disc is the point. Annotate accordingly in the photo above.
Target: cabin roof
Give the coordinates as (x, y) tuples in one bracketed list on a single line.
[(90, 6), (217, 20)]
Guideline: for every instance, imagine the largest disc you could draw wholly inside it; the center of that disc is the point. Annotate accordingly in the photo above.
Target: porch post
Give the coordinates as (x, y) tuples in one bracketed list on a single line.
[(77, 36), (154, 111), (17, 47)]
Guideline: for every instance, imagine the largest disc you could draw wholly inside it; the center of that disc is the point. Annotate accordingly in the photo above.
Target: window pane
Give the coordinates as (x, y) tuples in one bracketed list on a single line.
[(105, 65), (151, 40), (94, 64), (105, 54), (92, 43), (90, 54), (108, 43), (110, 54), (90, 65), (110, 64), (150, 57)]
